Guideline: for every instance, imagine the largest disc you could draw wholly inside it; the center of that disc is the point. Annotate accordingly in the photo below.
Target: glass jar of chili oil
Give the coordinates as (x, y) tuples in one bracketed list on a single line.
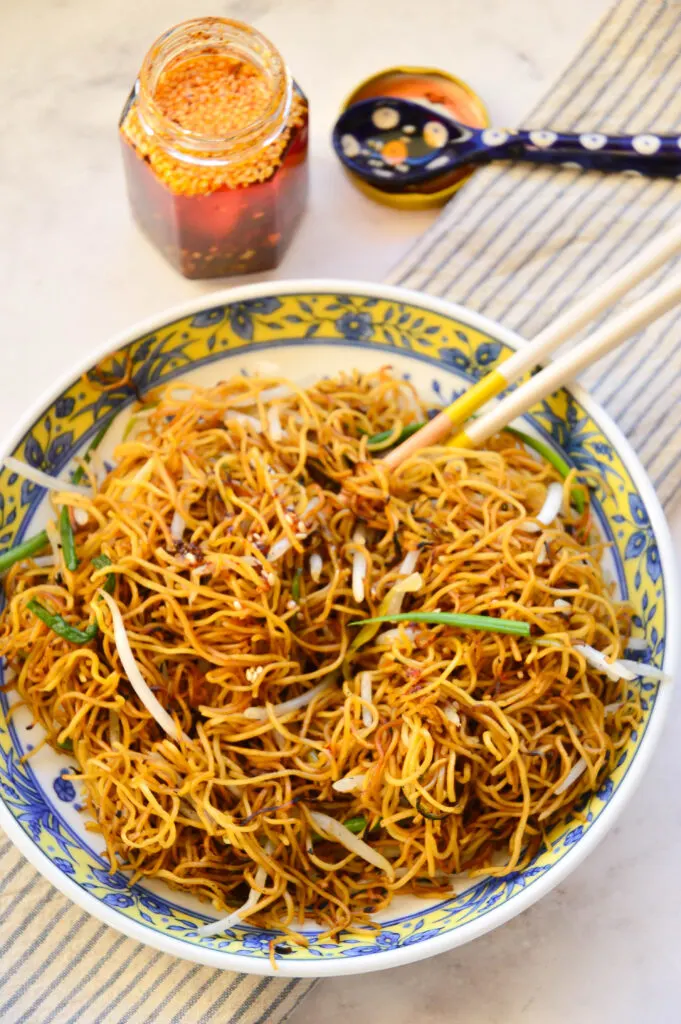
[(214, 139)]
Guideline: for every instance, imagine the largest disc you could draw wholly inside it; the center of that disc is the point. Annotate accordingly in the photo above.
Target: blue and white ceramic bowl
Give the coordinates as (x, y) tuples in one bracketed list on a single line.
[(310, 329)]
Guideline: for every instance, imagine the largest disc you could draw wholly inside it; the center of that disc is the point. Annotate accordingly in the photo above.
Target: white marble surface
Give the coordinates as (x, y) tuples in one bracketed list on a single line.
[(74, 270)]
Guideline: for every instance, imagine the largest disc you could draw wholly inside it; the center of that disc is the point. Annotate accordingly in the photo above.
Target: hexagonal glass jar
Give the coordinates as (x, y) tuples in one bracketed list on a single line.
[(214, 141)]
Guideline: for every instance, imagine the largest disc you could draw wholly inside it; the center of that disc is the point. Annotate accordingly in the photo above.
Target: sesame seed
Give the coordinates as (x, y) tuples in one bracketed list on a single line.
[(214, 95)]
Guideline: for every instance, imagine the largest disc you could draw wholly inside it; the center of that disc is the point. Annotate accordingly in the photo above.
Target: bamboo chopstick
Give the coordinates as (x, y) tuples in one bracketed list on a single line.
[(655, 254), (563, 369)]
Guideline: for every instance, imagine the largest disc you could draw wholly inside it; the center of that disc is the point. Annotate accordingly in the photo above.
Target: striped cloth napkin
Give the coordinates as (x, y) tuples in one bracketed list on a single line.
[(58, 965), (521, 243), (518, 244)]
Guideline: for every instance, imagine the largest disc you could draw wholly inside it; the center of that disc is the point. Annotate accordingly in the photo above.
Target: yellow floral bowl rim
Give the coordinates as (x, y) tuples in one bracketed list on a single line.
[(354, 319)]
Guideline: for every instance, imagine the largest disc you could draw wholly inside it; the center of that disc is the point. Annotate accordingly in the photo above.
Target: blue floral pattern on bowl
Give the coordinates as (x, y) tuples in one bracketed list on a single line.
[(64, 788)]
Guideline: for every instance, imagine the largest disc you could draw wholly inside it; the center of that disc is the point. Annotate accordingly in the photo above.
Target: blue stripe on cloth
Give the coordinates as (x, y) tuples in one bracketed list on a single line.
[(84, 1012), (82, 983), (247, 1004), (194, 998), (662, 441), (443, 233), (540, 214), (618, 214), (548, 181), (643, 382), (556, 259), (612, 191), (54, 1013), (639, 37), (284, 994), (578, 201), (35, 945), (21, 865), (497, 174), (56, 952), (122, 993), (676, 489), (573, 265), (156, 1013), (484, 217), (9, 910), (601, 374), (30, 1014), (128, 1016), (621, 375)]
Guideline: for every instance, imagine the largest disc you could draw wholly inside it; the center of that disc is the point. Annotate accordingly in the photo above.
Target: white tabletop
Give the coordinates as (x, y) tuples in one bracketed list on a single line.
[(75, 270)]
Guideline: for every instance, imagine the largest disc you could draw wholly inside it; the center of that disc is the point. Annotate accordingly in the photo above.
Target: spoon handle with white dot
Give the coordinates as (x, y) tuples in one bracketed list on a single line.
[(646, 154)]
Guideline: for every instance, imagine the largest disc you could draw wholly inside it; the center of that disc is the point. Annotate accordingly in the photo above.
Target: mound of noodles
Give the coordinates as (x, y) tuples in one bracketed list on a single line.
[(247, 526)]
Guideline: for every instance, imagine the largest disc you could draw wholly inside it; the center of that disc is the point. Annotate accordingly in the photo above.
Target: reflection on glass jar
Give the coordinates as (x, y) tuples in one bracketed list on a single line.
[(214, 139)]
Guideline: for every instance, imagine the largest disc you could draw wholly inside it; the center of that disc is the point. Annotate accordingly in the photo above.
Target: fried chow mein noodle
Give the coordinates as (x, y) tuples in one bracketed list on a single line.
[(239, 525)]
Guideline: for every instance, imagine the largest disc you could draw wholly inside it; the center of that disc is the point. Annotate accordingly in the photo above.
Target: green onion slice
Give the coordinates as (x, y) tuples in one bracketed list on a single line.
[(68, 541), (484, 622), (101, 562), (552, 457), (79, 472), (130, 425), (61, 627), (25, 550), (356, 824), (376, 440), (295, 585), (430, 815)]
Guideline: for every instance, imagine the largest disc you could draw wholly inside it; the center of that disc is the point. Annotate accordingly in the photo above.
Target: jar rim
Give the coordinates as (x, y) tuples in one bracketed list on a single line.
[(214, 35)]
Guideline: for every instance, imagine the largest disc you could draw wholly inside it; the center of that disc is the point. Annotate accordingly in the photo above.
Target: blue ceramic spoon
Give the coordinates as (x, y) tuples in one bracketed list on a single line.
[(394, 144)]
